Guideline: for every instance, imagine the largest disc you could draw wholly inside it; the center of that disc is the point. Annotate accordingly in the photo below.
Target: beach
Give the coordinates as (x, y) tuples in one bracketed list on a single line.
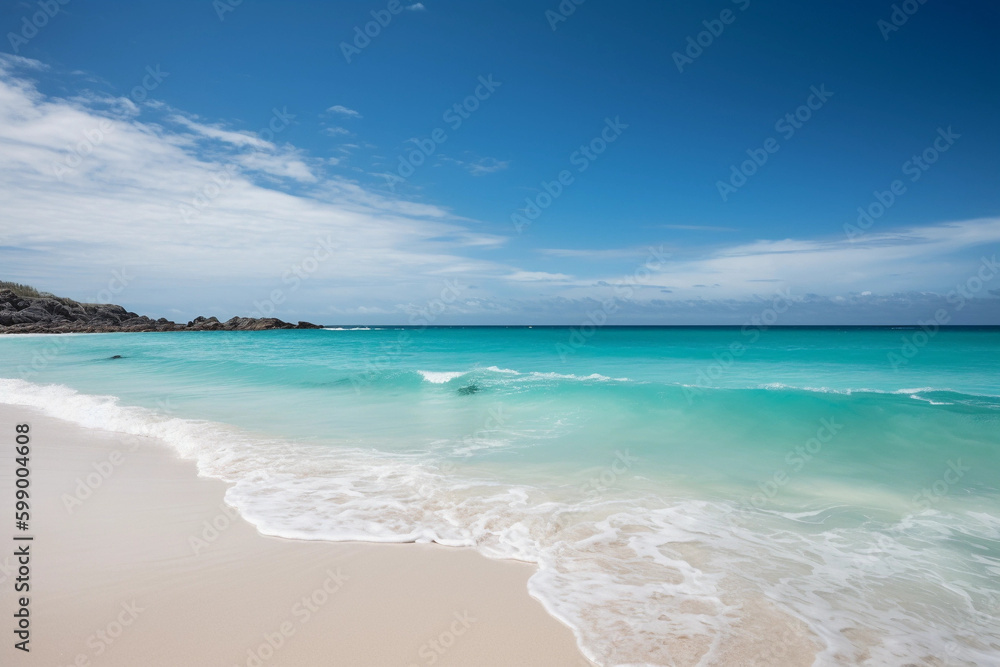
[(557, 334), (136, 560), (473, 498)]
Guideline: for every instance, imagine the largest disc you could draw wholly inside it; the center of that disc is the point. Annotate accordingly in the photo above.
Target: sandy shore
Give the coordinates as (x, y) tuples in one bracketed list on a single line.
[(137, 561)]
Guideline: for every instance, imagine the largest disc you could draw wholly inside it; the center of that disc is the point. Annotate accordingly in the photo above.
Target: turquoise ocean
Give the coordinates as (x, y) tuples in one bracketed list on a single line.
[(671, 484)]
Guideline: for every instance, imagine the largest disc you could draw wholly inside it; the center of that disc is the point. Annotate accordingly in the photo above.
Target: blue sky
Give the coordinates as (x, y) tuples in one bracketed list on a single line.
[(132, 147)]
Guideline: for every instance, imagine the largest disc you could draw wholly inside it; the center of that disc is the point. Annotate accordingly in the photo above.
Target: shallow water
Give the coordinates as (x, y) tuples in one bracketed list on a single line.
[(669, 482)]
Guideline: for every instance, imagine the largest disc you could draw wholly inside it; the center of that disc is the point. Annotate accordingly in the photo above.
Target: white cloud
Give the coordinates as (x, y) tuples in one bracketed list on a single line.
[(263, 156), (122, 202), (595, 254), (10, 62), (698, 228), (344, 111), (536, 276), (89, 185), (487, 165), (478, 167), (241, 139), (416, 7), (336, 131), (914, 258)]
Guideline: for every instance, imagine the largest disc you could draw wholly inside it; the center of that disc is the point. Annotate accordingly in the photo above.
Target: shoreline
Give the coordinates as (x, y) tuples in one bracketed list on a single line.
[(138, 560)]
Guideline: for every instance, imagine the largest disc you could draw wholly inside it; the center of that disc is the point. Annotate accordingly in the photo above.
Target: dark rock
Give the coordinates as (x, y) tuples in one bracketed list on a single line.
[(471, 389), (51, 314)]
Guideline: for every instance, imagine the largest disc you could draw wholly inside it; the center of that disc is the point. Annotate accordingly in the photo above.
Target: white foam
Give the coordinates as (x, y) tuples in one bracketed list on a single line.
[(506, 371), (440, 377), (62, 335), (479, 444), (593, 377), (549, 375), (625, 573), (921, 398), (847, 390)]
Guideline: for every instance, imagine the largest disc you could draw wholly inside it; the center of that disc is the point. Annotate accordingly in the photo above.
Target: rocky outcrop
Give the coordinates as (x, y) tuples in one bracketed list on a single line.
[(51, 314)]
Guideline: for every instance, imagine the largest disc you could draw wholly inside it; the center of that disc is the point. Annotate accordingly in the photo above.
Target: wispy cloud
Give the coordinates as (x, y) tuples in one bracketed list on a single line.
[(262, 205), (927, 258), (480, 166), (215, 132), (416, 7), (537, 276), (595, 254), (121, 205), (257, 154), (697, 228), (344, 111), (9, 61)]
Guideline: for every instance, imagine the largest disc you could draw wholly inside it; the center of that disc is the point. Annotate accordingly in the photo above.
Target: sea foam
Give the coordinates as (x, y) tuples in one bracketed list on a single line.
[(640, 578)]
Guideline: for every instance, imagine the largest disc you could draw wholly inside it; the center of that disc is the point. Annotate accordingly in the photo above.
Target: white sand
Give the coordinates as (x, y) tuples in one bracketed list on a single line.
[(117, 580)]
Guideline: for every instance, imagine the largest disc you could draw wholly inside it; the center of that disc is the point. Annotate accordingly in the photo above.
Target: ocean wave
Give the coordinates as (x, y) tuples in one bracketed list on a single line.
[(440, 377), (506, 371), (911, 392), (918, 397), (780, 386), (646, 579), (508, 380), (551, 375)]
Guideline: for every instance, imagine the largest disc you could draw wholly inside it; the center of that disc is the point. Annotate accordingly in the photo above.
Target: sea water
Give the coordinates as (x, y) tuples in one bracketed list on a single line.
[(672, 484)]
